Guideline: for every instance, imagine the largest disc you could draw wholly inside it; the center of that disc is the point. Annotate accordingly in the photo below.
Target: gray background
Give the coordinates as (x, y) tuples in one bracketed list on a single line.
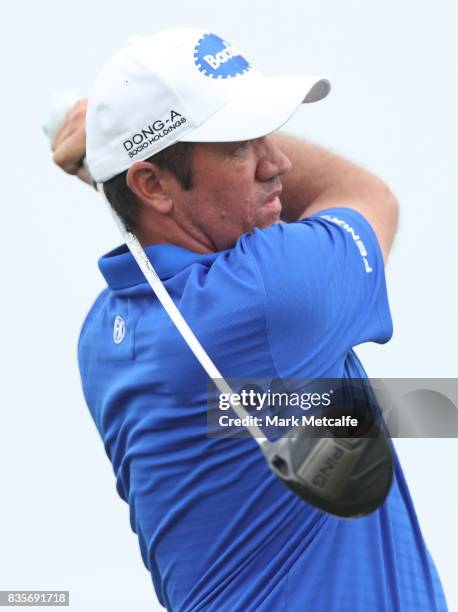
[(392, 109)]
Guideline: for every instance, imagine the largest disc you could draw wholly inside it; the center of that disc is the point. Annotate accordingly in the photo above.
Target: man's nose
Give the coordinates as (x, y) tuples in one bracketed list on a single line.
[(273, 162)]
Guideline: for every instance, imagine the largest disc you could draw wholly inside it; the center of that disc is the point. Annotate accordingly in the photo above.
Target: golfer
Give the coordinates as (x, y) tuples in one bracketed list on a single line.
[(273, 249)]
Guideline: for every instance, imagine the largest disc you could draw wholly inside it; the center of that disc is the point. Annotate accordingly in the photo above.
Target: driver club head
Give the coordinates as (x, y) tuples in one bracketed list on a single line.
[(345, 477)]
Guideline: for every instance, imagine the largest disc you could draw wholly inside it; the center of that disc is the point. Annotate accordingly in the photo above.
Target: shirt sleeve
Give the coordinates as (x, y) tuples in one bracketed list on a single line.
[(325, 289)]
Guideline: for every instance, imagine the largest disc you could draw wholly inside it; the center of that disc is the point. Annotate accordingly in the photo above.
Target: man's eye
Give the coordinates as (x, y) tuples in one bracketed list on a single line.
[(241, 146)]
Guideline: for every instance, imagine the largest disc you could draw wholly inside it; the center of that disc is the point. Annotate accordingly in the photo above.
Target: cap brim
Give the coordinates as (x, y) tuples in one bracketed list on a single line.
[(262, 106)]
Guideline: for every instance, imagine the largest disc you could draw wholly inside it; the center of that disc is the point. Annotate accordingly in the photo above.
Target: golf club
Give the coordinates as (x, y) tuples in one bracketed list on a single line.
[(347, 477)]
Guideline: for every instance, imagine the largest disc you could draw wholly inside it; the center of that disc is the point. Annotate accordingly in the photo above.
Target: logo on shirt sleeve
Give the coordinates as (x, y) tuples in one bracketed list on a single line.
[(357, 239)]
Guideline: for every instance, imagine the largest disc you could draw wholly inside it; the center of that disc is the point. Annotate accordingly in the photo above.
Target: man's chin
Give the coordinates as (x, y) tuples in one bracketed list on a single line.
[(269, 214)]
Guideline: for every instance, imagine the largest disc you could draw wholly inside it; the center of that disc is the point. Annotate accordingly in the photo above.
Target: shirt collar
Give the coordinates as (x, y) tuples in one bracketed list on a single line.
[(120, 269)]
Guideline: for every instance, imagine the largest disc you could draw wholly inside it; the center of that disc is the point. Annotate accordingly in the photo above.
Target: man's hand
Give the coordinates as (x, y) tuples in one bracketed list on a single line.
[(69, 143)]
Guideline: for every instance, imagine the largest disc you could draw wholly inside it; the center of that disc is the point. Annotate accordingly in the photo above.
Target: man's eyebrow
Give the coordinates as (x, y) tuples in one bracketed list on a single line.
[(237, 144)]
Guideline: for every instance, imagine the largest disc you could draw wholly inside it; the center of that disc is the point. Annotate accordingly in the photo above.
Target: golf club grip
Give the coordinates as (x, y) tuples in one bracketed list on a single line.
[(60, 106)]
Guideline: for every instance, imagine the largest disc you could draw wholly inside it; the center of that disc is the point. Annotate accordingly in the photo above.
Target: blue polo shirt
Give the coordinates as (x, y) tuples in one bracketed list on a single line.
[(217, 531)]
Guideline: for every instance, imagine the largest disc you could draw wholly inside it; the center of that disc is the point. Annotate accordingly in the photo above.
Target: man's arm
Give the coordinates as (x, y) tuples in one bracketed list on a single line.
[(320, 179)]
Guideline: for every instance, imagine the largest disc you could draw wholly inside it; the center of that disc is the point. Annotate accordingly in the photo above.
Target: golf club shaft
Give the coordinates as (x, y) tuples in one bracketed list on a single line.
[(157, 286)]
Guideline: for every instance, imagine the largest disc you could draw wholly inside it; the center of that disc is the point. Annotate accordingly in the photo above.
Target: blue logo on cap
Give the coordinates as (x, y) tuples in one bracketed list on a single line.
[(217, 59)]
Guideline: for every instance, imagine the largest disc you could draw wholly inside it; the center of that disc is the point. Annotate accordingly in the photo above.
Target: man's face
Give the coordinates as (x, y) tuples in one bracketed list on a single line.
[(236, 187)]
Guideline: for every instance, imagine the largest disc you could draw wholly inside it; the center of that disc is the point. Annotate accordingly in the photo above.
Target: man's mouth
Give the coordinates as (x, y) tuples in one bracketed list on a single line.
[(275, 194)]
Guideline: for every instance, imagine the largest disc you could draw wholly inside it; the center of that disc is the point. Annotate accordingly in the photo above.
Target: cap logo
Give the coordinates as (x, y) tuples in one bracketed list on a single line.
[(217, 59)]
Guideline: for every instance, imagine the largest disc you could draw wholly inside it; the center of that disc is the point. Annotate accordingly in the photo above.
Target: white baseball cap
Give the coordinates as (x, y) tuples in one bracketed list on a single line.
[(184, 84)]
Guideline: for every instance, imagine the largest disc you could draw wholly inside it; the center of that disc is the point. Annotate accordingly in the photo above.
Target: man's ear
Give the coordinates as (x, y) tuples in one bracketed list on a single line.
[(146, 180)]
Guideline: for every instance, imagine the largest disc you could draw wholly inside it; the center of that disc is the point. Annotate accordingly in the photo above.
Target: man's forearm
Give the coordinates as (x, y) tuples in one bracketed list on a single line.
[(317, 173)]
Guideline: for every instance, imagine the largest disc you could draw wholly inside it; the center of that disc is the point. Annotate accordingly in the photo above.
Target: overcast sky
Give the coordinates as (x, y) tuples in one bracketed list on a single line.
[(392, 109)]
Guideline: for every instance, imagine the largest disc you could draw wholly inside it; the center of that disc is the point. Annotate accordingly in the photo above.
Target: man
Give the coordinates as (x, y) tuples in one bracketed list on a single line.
[(180, 132)]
